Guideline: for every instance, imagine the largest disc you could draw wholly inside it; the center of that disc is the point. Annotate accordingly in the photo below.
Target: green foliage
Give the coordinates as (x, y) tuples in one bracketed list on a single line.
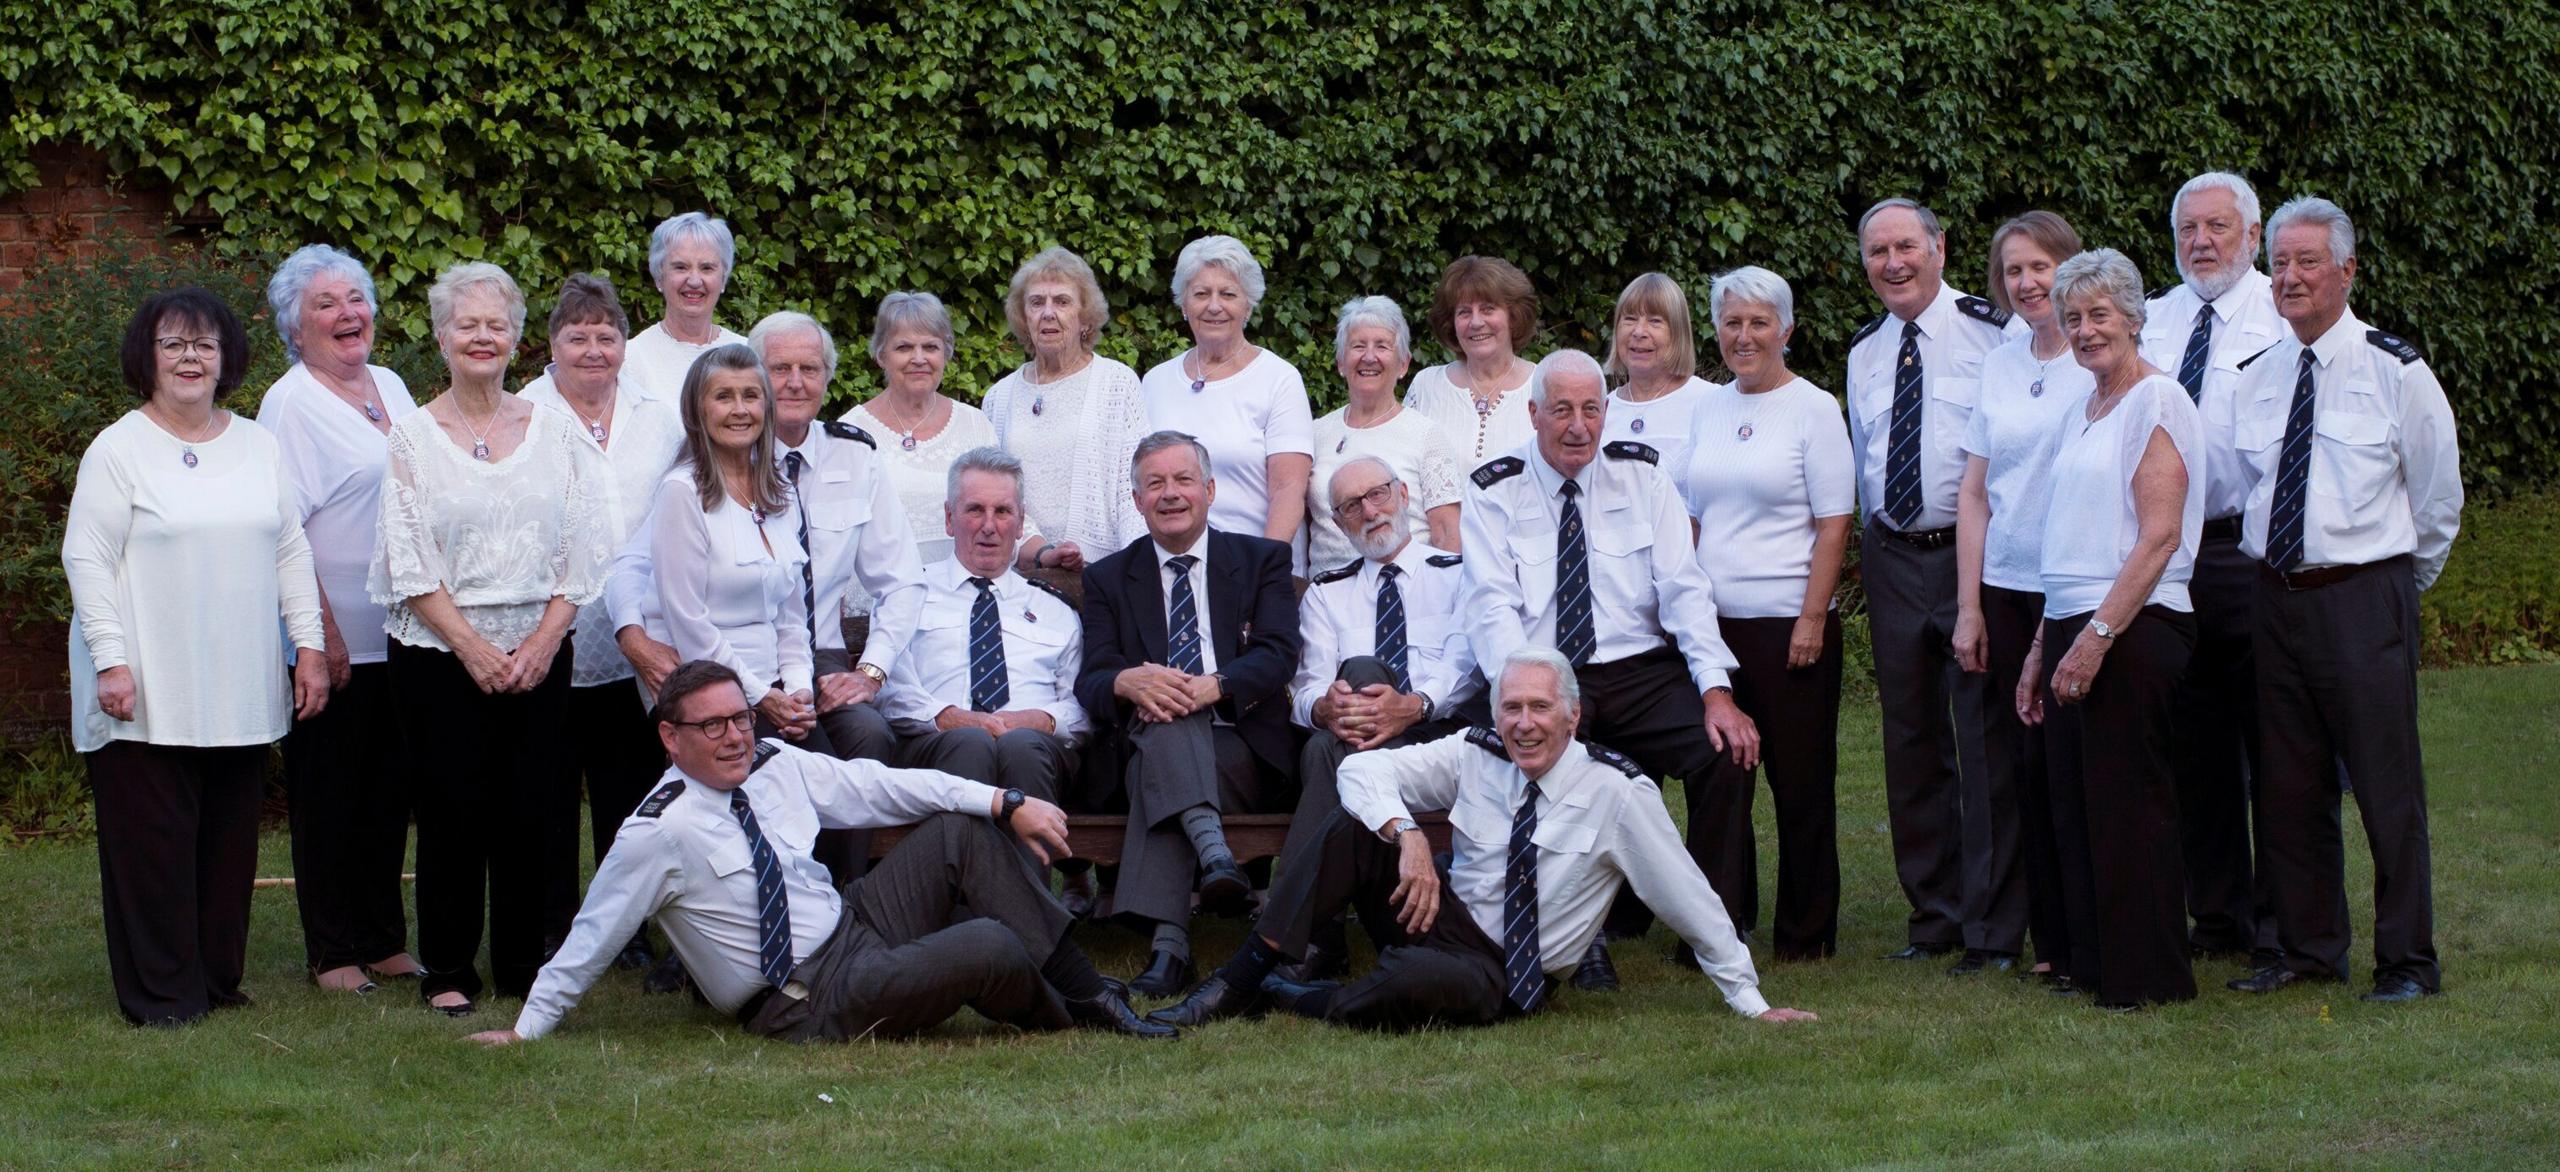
[(863, 148), (2497, 601), (44, 793)]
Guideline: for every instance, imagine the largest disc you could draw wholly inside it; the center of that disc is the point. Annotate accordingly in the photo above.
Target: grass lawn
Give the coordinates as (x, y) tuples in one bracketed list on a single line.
[(1907, 1067)]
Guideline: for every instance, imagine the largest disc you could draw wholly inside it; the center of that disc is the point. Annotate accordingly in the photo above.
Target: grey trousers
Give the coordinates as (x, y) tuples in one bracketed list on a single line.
[(1451, 975), (1173, 767), (1026, 759)]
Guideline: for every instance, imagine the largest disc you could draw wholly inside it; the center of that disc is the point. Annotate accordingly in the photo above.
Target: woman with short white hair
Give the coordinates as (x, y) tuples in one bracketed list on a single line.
[(920, 430), (1653, 362), (1372, 348), (1246, 404), (690, 259), (1070, 415)]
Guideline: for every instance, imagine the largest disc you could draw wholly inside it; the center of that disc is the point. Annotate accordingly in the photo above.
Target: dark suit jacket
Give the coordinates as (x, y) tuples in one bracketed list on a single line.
[(1251, 623)]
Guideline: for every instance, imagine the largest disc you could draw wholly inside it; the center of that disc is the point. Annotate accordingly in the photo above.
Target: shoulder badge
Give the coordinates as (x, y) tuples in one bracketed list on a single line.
[(1615, 760), (1873, 324), (2244, 363), (2160, 292), (1631, 450), (2392, 345), (657, 802), (766, 750), (842, 430), (1488, 740), (1052, 590), (1494, 472), (1981, 310), (1338, 573), (1444, 560)]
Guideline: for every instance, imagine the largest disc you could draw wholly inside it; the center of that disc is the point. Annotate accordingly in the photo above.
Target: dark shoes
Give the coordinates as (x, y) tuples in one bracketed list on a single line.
[(636, 955), (1921, 952), (1976, 962), (1322, 963), (1214, 1000), (2394, 990), (1110, 1012), (2265, 980), (1224, 890), (1289, 996), (464, 1009), (667, 977), (1167, 975), (1596, 974), (1079, 894)]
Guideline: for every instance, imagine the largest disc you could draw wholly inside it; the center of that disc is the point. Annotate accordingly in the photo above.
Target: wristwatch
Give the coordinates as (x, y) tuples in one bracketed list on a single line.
[(1221, 677), (876, 675), (2099, 627), (1400, 827), (1013, 799), (1430, 709)]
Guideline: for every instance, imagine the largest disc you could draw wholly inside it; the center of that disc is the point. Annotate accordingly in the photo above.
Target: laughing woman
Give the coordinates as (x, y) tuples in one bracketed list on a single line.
[(689, 260)]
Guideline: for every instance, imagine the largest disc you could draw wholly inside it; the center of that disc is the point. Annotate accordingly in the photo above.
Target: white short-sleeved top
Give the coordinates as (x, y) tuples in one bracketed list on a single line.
[(1474, 436), (655, 362), (1414, 447), (1243, 419), (1662, 424), (335, 457), (1761, 470), (2090, 526), (922, 477), (643, 439), (2027, 403)]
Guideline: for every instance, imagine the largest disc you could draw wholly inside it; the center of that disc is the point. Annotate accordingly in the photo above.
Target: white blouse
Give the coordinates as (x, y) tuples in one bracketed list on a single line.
[(1474, 437), (922, 476), (2016, 425), (1074, 437), (1762, 469), (654, 361), (1661, 424), (1413, 446), (729, 586), (2090, 526), (643, 439), (502, 537), (1243, 419), (335, 457), (178, 573)]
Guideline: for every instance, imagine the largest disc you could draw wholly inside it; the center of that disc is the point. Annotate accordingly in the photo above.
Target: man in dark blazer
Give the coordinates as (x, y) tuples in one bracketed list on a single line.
[(1190, 638)]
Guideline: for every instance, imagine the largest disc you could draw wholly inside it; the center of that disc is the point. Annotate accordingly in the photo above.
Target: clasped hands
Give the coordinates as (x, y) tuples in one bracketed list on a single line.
[(1365, 718), (1162, 694)]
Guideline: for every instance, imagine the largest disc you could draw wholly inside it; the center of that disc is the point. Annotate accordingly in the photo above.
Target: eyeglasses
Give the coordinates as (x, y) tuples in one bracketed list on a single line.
[(181, 347), (1375, 498), (743, 720)]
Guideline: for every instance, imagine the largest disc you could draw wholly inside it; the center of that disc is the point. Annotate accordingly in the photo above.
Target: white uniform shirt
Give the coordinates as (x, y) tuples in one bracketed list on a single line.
[(1762, 469), (2386, 474), (2245, 322), (1243, 419), (2091, 525), (1474, 436), (2015, 429), (728, 589), (336, 458), (656, 362), (1956, 331), (862, 541), (1043, 652), (1600, 827), (1646, 586), (1415, 449), (1661, 424), (645, 438), (1338, 619), (683, 860)]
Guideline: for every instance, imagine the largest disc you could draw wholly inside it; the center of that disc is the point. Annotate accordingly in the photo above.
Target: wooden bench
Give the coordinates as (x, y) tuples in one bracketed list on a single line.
[(1097, 837)]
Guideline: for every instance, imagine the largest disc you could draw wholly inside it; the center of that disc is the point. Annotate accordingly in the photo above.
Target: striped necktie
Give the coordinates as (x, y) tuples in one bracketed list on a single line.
[(1182, 618), (1524, 974), (1575, 635), (1390, 642), (988, 688), (2199, 352), (773, 906), (2293, 474), (792, 463), (1902, 449)]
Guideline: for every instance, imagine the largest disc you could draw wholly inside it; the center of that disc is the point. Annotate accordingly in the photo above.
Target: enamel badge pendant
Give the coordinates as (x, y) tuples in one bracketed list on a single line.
[(188, 457), (480, 450), (1638, 426), (1743, 433)]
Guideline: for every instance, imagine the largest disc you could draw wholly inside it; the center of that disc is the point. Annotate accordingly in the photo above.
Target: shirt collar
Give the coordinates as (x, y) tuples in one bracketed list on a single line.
[(1409, 559), (1199, 549), (1551, 482), (951, 575), (2341, 337), (1933, 320), (2226, 308)]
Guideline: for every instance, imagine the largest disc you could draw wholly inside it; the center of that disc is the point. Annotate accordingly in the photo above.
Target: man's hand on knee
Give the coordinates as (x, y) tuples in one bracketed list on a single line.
[(1040, 825)]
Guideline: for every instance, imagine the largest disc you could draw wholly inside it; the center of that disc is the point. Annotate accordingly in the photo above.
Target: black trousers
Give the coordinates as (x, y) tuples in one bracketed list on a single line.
[(2217, 754), (348, 786), (489, 781), (953, 917), (1173, 767), (855, 731), (2013, 754), (2115, 798), (1451, 975), (1648, 708), (177, 850), (1323, 754), (2338, 681), (1798, 714), (613, 752), (1935, 782)]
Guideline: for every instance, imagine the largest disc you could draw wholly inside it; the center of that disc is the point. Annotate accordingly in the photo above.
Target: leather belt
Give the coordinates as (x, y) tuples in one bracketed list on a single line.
[(2223, 528), (1921, 539), (2314, 579)]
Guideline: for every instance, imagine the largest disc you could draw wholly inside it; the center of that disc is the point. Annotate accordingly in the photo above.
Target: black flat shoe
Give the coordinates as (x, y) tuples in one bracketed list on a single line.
[(1224, 890), (2394, 990), (1976, 962), (1596, 973), (1920, 952), (1110, 1013), (1213, 1000), (465, 1009), (1079, 895), (1288, 996), (2265, 980), (2063, 986), (1167, 975)]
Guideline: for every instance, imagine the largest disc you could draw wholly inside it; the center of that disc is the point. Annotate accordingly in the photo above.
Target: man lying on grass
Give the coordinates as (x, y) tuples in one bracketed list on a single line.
[(1544, 832), (955, 915)]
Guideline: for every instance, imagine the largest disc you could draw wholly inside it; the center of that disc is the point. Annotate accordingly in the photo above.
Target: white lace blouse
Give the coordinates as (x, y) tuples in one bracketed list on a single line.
[(1074, 437), (502, 537), (645, 437), (921, 474)]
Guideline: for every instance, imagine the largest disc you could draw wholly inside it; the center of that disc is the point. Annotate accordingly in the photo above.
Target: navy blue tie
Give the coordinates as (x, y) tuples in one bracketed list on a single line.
[(1182, 618), (2199, 352), (2293, 474), (1524, 975), (1391, 643), (1575, 635), (791, 466), (1902, 448), (773, 907), (988, 687)]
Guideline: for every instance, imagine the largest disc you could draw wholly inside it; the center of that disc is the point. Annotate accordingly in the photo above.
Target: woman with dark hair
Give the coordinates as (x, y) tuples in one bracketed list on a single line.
[(1484, 310), (183, 546)]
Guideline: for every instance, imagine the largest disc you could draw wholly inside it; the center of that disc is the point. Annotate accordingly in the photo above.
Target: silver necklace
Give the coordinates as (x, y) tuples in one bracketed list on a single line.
[(479, 440), (187, 444), (2044, 366)]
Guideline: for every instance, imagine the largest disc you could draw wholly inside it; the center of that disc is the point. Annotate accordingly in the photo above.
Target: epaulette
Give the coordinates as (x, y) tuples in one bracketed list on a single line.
[(765, 751), (2392, 345), (1489, 741), (1494, 472), (1981, 310), (843, 430), (1873, 324), (2244, 363), (1631, 450), (1615, 760), (1338, 573), (2160, 292), (1054, 592), (657, 802), (1444, 560)]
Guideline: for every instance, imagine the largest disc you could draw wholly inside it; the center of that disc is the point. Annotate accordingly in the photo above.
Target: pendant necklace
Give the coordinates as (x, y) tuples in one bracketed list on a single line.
[(2044, 366), (1202, 361), (479, 441), (907, 436), (595, 427), (187, 445)]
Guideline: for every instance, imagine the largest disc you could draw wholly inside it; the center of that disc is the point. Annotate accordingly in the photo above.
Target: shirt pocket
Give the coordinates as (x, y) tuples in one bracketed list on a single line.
[(834, 505), (1535, 554), (2261, 443), (1622, 555), (1430, 633), (1950, 413), (2352, 460), (1562, 833)]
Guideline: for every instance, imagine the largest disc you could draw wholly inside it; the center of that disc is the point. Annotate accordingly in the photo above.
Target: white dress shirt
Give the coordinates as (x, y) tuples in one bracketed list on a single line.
[(1646, 586), (2090, 524), (1243, 419), (1043, 652), (1414, 448), (1474, 436), (728, 588), (1661, 424), (336, 456), (501, 537), (687, 865), (862, 542), (1599, 829), (1762, 469), (2028, 404), (2386, 474), (1338, 619), (644, 438), (656, 362), (1199, 598), (1953, 342), (2245, 323)]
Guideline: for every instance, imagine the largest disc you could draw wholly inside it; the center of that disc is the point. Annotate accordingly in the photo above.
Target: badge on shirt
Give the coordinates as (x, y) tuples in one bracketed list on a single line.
[(1743, 433), (1638, 426), (1029, 617)]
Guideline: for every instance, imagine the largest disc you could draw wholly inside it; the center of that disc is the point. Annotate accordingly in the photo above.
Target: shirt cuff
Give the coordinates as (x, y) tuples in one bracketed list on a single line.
[(531, 1025), (1748, 1002)]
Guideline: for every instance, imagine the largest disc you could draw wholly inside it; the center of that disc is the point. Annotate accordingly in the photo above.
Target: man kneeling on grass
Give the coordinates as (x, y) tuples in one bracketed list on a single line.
[(1544, 831), (955, 915)]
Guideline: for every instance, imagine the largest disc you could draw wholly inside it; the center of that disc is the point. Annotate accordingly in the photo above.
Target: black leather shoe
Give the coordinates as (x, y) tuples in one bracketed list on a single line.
[(1321, 964), (1224, 890), (2265, 980), (635, 955), (1213, 1000), (1110, 1012), (1078, 894), (1167, 975), (1596, 973), (2393, 990), (2061, 985), (1286, 995), (668, 977), (1920, 952), (1976, 962)]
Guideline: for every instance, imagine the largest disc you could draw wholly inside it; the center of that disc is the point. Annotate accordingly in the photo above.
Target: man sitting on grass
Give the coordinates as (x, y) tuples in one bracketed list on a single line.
[(1544, 832), (955, 915)]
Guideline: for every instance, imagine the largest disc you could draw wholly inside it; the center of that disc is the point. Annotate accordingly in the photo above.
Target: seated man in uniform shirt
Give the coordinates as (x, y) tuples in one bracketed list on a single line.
[(1544, 831), (719, 856), (1588, 549), (1386, 662)]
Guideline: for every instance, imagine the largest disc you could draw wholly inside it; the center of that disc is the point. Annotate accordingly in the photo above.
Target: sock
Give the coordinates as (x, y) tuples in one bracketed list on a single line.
[(1250, 964), (1173, 938), (1208, 836), (1071, 973)]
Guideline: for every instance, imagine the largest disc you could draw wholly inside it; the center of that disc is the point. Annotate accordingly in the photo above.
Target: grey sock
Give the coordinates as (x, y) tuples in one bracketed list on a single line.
[(1173, 938), (1208, 836)]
